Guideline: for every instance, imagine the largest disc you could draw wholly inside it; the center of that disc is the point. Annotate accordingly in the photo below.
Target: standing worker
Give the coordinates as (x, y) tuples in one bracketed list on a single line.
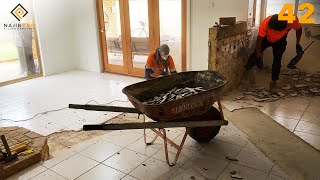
[(159, 63), (273, 32)]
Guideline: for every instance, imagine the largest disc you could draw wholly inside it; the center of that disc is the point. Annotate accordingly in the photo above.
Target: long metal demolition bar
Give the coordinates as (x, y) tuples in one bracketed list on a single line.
[(104, 108), (161, 125)]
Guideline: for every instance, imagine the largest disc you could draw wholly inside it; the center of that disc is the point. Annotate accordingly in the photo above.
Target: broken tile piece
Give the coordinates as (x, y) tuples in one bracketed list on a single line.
[(307, 79), (315, 90), (301, 85), (239, 97), (236, 176), (287, 87), (293, 94), (308, 75), (281, 94), (295, 79), (231, 158), (266, 93), (248, 93), (304, 92), (265, 99)]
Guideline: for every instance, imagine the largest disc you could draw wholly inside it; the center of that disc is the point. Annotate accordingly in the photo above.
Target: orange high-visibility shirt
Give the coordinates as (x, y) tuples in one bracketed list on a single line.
[(273, 35), (159, 68)]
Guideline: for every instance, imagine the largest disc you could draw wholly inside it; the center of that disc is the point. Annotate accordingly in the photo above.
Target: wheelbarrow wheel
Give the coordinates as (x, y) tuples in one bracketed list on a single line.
[(205, 134)]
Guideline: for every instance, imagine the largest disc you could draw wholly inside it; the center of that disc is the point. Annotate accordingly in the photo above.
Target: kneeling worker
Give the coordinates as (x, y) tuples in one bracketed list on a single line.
[(159, 63)]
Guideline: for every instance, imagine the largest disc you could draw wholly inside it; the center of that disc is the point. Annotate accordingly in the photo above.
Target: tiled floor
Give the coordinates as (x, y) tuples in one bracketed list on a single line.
[(123, 154), (300, 115), (22, 101), (99, 159)]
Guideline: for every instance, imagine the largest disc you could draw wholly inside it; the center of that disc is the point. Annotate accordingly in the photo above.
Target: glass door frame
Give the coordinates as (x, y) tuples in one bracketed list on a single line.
[(154, 36), (40, 74)]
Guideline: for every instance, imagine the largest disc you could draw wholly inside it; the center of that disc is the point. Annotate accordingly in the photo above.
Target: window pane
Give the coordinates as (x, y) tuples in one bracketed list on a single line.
[(316, 14), (111, 13), (170, 28), (275, 6)]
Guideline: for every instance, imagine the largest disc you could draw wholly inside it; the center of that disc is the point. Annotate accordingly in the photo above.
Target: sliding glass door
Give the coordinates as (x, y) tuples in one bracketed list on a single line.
[(131, 29), (19, 58)]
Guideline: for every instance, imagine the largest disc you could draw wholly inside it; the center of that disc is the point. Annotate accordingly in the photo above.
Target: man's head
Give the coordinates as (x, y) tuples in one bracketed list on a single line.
[(277, 25), (164, 51)]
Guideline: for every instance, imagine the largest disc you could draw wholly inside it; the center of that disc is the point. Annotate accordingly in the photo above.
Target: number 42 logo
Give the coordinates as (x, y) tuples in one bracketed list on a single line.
[(290, 17)]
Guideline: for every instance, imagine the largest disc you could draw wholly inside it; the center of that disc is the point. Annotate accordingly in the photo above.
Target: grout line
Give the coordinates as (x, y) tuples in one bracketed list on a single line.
[(302, 116)]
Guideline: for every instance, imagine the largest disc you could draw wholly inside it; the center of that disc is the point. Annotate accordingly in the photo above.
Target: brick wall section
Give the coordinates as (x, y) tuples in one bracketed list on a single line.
[(226, 52)]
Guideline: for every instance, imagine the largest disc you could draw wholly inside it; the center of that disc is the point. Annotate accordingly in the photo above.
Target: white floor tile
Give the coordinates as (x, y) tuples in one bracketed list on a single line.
[(205, 165), (153, 169), (102, 172), (313, 140), (120, 138), (183, 175), (58, 157), (254, 159), (286, 122), (74, 166), (273, 177), (308, 127), (311, 117), (128, 177), (288, 113), (232, 135), (100, 151), (244, 172), (222, 149), (184, 156), (126, 160), (190, 143), (48, 175), (28, 173), (140, 146), (295, 104), (279, 172), (250, 145)]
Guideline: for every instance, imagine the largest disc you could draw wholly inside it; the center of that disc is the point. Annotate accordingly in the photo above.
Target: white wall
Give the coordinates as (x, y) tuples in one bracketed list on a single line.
[(68, 35), (87, 48), (204, 13), (56, 34)]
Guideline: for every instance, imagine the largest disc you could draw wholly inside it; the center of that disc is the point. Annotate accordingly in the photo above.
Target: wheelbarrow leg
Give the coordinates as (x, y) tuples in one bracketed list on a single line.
[(179, 148), (145, 134), (220, 109)]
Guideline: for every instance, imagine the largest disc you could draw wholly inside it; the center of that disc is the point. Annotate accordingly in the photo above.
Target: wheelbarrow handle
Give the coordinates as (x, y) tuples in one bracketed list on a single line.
[(104, 108)]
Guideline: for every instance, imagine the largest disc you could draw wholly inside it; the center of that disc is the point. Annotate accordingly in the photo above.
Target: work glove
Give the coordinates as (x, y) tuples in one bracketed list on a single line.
[(299, 49)]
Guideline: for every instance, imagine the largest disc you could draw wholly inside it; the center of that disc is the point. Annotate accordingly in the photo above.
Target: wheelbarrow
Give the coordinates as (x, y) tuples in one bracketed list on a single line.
[(196, 112)]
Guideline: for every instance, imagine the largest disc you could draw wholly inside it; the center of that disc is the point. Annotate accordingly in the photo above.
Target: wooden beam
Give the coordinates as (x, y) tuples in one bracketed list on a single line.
[(149, 125)]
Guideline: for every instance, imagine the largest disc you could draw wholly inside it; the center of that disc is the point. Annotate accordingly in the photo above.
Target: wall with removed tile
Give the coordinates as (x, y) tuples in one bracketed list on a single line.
[(227, 46)]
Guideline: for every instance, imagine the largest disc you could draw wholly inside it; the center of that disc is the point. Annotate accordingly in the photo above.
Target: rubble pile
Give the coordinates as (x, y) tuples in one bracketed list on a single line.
[(174, 94), (293, 83)]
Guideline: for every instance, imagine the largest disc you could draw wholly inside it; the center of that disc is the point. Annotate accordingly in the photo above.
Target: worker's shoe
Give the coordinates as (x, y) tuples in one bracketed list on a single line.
[(273, 87)]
